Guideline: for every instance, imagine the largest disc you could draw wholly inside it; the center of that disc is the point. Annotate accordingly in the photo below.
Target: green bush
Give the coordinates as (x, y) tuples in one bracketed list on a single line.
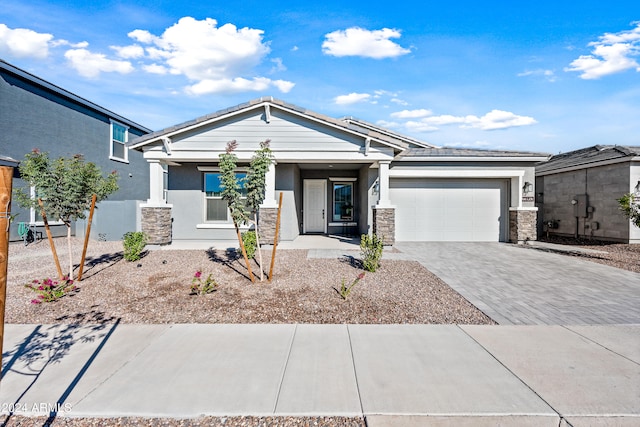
[(134, 243), (250, 243), (371, 248)]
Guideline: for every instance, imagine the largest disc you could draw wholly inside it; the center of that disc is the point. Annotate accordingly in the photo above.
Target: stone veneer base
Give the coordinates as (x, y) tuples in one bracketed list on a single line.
[(522, 225), (384, 224), (156, 223)]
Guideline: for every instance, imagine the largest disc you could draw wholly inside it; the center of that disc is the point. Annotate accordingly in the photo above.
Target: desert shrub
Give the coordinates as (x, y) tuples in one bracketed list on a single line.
[(345, 289), (134, 243), (202, 287), (50, 290), (371, 247), (250, 243)]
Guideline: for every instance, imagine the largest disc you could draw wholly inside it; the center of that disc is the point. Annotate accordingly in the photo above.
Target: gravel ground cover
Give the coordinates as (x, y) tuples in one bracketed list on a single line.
[(156, 289), (619, 255)]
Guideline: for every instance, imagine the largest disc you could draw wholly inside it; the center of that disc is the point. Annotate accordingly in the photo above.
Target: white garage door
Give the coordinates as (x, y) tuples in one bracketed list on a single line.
[(449, 210)]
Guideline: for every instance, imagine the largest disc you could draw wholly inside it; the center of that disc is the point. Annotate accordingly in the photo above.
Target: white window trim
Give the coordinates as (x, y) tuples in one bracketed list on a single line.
[(333, 200), (111, 142), (215, 224), (32, 213)]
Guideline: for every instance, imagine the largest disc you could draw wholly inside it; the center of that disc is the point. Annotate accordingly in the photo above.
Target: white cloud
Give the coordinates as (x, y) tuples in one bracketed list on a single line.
[(612, 53), (419, 126), (143, 36), (129, 52), (357, 41), (22, 42), (90, 64), (155, 69), (62, 42), (411, 114), (399, 102), (283, 85), (495, 119), (278, 65), (215, 58), (352, 98), (548, 75)]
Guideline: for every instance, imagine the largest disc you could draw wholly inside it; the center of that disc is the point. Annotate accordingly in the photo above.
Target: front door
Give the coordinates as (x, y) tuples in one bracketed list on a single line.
[(315, 206)]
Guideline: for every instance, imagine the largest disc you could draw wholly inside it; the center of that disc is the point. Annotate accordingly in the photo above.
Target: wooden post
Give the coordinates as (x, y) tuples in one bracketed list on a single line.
[(6, 180), (275, 239), (244, 253), (50, 237), (86, 236)]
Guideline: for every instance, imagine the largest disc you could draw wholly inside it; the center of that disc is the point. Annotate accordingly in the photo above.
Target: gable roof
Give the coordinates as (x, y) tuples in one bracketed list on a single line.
[(51, 88), (386, 138), (589, 157), (443, 153)]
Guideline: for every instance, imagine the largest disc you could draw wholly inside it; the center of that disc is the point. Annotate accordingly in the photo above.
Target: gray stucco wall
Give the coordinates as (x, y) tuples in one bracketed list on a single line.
[(32, 117), (602, 184)]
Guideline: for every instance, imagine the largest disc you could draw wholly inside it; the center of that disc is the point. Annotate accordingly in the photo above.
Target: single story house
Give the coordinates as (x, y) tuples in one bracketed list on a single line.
[(37, 114), (577, 193), (336, 176)]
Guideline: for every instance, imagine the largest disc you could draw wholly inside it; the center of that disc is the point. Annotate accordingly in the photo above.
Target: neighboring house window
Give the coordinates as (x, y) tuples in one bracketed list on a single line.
[(119, 137), (35, 215), (342, 201), (216, 209)]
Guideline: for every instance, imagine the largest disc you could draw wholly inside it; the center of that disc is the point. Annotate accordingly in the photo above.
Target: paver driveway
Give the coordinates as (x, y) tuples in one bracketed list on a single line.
[(521, 286)]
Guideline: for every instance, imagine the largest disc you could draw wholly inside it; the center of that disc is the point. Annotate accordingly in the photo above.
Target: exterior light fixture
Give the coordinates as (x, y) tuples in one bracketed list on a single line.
[(527, 187)]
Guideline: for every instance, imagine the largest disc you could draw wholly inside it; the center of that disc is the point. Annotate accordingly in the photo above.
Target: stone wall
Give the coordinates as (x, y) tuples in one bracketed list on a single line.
[(384, 224), (268, 218), (156, 222), (522, 225)]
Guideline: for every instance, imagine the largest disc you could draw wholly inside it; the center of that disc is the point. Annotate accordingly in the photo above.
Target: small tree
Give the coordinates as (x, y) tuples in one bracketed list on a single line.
[(65, 186), (255, 184), (231, 194), (630, 206)]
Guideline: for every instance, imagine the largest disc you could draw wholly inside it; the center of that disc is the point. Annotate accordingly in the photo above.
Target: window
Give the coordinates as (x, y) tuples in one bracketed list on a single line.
[(216, 209), (119, 137), (342, 201), (35, 214)]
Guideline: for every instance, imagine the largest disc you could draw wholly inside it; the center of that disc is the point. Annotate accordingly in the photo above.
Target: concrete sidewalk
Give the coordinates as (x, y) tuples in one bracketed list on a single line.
[(394, 375)]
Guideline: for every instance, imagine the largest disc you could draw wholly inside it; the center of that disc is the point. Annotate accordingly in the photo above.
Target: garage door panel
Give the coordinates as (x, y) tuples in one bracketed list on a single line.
[(448, 210)]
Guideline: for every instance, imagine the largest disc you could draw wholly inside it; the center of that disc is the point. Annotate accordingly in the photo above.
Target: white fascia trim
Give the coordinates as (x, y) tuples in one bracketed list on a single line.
[(471, 159), (156, 205), (523, 208), (221, 226), (288, 157), (589, 165), (457, 173)]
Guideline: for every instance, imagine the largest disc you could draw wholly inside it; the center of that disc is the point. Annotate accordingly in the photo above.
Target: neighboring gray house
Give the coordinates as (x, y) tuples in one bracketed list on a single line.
[(577, 192), (37, 114), (336, 176)]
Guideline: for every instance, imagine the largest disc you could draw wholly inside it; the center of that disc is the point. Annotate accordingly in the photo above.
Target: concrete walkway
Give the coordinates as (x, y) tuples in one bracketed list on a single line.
[(394, 375), (521, 286)]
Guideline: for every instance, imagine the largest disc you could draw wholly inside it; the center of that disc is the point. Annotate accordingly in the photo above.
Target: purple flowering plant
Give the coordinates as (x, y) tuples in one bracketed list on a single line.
[(200, 286), (50, 290), (345, 289)]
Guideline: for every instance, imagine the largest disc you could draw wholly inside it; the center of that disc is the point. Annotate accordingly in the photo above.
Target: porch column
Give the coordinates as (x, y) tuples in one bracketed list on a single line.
[(156, 213), (384, 214), (269, 208), (156, 183), (383, 184), (270, 188)]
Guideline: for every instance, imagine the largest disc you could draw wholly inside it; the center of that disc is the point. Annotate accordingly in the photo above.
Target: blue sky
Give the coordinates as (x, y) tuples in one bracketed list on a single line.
[(546, 76)]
